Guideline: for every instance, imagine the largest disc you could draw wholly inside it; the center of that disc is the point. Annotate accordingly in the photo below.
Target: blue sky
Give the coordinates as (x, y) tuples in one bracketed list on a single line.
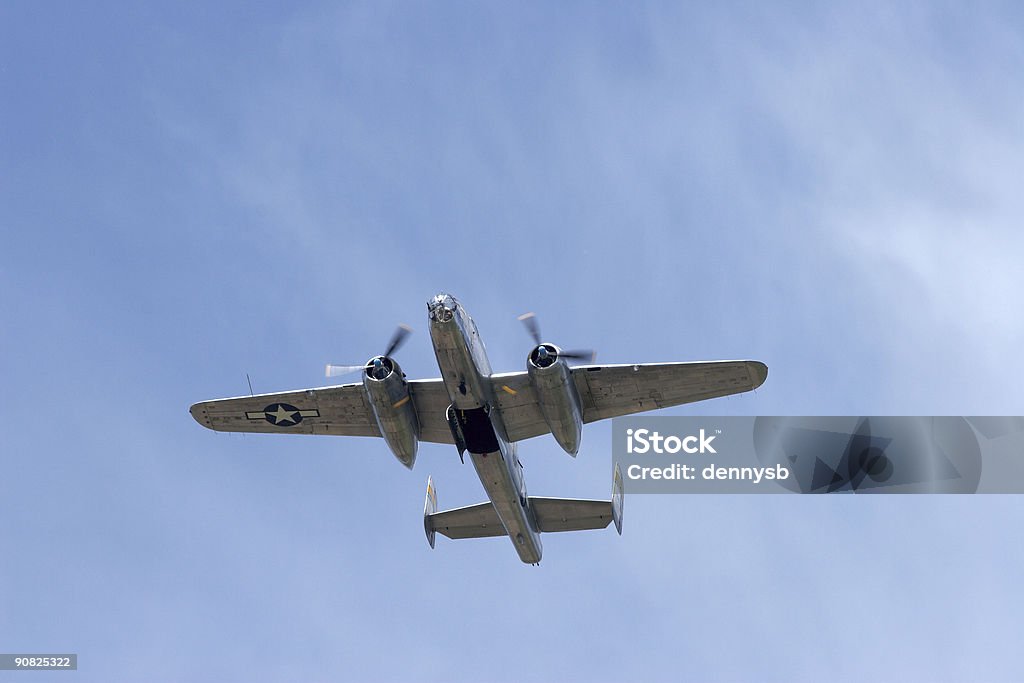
[(192, 193)]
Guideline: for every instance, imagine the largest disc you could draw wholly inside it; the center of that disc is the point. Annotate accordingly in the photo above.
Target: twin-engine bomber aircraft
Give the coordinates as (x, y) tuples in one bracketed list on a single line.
[(486, 415)]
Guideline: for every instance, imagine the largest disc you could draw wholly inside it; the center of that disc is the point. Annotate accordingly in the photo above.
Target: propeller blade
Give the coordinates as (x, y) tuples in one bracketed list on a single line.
[(530, 320), (338, 370), (579, 354), (401, 334)]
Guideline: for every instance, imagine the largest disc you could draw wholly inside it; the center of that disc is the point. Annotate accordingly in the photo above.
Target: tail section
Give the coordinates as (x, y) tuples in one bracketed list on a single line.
[(549, 514)]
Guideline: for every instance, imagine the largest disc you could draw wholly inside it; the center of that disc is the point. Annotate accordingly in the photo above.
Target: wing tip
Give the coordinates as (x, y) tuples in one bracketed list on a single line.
[(758, 372), (199, 414)]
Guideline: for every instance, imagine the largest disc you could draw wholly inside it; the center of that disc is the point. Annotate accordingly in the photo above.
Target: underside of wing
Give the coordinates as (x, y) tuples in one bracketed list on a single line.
[(613, 390), (340, 410), (430, 400), (517, 401)]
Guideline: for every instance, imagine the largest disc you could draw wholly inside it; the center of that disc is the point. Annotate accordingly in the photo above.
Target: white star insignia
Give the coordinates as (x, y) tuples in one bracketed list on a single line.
[(282, 416)]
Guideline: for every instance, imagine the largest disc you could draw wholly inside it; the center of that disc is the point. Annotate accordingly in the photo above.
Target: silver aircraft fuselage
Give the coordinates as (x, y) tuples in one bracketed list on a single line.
[(462, 359)]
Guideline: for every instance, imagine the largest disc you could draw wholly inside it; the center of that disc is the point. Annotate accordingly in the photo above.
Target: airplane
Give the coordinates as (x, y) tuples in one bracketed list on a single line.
[(486, 415)]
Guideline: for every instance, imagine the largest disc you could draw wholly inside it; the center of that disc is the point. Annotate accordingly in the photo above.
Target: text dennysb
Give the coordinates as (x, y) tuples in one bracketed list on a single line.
[(710, 472)]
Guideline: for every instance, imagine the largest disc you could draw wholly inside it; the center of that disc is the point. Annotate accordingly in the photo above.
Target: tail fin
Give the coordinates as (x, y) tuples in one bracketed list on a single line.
[(429, 508), (618, 499)]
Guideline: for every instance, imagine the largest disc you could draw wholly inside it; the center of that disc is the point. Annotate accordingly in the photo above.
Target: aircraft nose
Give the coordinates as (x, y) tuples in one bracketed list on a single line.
[(441, 314), (442, 308)]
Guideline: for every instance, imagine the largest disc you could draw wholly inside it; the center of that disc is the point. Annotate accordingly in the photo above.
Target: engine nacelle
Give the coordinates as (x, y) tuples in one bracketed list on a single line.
[(389, 398), (557, 396)]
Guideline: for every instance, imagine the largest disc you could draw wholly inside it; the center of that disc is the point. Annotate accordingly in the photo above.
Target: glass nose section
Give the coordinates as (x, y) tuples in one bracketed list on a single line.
[(442, 308)]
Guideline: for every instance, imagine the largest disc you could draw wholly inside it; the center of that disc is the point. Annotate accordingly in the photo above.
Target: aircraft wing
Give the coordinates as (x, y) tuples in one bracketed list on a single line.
[(613, 390), (340, 410)]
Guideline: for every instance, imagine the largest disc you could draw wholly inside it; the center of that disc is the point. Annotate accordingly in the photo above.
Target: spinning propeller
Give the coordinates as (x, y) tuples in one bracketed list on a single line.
[(546, 354), (378, 363)]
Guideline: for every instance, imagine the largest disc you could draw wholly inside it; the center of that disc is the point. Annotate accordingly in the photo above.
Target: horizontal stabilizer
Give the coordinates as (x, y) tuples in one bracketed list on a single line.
[(552, 514), (571, 514), (472, 521)]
